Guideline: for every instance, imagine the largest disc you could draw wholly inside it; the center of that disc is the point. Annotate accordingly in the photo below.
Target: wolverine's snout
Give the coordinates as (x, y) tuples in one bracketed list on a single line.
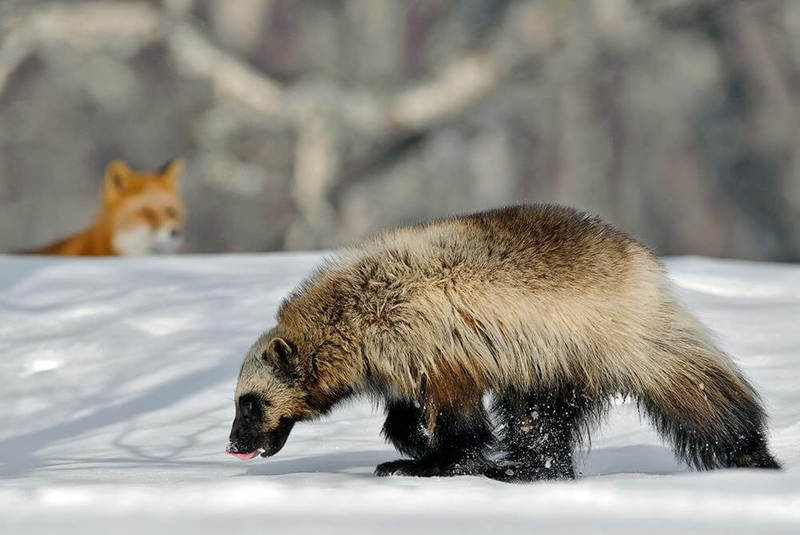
[(247, 443), (248, 437)]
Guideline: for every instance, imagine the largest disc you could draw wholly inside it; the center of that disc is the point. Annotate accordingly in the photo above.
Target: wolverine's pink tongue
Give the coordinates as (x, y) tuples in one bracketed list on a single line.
[(244, 456)]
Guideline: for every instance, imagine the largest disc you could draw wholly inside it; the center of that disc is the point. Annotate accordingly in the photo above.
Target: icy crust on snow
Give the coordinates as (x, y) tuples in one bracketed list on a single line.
[(116, 384)]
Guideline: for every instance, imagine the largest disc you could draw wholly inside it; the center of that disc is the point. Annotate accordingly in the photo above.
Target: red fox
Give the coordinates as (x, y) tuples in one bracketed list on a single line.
[(141, 213)]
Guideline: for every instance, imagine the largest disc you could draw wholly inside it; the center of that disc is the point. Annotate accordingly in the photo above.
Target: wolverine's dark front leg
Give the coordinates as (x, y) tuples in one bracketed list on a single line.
[(456, 446), (405, 429)]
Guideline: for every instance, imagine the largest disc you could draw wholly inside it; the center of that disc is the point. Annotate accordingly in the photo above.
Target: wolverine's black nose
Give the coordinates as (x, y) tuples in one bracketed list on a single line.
[(240, 432)]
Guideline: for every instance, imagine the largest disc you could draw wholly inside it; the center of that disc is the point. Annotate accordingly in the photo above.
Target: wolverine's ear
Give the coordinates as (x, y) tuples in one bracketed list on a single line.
[(116, 179), (282, 358), (171, 173)]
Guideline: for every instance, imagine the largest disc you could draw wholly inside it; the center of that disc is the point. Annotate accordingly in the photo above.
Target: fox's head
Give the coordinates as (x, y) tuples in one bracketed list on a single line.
[(144, 210)]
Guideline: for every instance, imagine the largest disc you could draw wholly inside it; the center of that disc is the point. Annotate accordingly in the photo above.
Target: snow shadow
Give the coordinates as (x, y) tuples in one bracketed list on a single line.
[(344, 461), (640, 459), (18, 453)]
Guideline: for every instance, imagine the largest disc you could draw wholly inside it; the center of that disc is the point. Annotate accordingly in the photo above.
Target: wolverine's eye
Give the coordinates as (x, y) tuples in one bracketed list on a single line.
[(252, 405), (248, 405)]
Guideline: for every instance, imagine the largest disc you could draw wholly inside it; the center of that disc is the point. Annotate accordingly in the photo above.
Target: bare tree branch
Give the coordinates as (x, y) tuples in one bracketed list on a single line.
[(231, 77), (459, 86), (131, 25)]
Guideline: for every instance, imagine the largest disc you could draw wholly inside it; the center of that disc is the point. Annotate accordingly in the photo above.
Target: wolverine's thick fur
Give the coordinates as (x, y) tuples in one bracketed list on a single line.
[(548, 309)]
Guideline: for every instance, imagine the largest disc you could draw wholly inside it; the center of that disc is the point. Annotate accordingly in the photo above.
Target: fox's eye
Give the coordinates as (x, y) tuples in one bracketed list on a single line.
[(149, 215), (171, 212)]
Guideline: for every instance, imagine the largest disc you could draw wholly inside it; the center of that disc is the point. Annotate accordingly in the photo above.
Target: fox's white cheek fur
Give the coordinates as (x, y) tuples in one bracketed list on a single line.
[(135, 241), (166, 240)]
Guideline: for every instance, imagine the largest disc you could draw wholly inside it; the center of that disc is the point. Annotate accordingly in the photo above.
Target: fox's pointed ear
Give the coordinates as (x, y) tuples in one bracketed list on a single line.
[(282, 358), (171, 173), (116, 179)]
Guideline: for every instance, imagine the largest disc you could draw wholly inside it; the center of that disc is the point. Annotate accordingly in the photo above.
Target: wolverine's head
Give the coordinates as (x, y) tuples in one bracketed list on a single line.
[(270, 397)]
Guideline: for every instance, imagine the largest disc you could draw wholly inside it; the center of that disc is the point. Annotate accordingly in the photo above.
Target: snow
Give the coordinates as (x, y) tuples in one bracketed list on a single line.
[(116, 384)]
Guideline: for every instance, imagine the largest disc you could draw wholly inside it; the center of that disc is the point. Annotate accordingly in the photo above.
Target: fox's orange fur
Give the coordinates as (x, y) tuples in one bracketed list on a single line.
[(141, 213)]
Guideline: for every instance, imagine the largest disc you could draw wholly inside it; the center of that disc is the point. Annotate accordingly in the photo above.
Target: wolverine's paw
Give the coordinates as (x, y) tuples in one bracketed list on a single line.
[(434, 467), (521, 470), (510, 471), (392, 468)]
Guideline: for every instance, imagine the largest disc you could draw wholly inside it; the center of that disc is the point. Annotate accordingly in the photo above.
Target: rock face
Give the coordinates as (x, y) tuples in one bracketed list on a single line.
[(305, 124)]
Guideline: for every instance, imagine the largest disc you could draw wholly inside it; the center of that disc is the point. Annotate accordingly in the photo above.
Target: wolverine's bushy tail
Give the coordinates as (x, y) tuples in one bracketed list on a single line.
[(699, 401)]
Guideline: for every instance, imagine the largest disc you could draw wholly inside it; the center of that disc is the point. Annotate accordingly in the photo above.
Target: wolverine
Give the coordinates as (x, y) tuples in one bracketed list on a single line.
[(547, 311)]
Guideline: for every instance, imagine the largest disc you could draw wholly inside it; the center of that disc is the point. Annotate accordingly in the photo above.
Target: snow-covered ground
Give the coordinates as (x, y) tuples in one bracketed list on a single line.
[(116, 383)]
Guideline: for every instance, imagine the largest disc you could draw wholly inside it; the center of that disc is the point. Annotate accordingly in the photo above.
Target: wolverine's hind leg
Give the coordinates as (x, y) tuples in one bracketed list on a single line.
[(458, 440), (701, 403), (712, 422), (540, 430)]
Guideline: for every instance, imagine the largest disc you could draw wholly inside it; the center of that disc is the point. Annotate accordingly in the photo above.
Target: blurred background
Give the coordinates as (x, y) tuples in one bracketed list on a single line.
[(305, 124)]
